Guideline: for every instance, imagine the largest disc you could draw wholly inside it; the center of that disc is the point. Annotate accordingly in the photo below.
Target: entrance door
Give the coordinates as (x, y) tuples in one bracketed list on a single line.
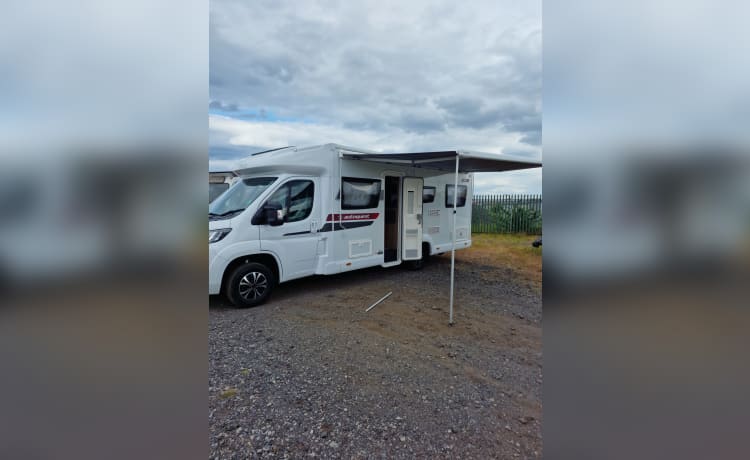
[(411, 235), (391, 236)]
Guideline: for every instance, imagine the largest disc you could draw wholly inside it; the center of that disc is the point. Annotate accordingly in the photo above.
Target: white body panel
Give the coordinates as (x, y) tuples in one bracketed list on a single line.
[(333, 239)]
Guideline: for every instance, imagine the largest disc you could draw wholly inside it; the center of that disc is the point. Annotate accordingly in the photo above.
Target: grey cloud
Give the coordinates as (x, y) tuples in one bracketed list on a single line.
[(473, 113), (469, 113), (282, 69), (222, 106), (214, 81), (459, 105), (532, 138), (421, 122), (367, 123)]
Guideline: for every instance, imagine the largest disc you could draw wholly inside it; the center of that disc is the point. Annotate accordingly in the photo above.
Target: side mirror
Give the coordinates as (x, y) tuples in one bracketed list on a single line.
[(274, 215)]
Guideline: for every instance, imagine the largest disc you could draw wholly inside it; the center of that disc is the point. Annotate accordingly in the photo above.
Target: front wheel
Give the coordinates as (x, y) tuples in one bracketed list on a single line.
[(250, 285)]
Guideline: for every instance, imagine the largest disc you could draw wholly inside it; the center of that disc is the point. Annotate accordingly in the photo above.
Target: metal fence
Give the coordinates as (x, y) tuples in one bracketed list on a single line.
[(507, 214)]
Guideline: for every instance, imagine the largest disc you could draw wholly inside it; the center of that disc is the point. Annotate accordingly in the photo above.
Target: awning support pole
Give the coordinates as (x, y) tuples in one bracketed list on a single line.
[(453, 232)]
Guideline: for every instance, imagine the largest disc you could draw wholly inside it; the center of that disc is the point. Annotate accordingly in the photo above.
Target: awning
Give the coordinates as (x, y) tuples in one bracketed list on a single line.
[(448, 161)]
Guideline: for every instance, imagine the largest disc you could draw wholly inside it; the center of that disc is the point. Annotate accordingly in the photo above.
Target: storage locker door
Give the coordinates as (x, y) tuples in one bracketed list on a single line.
[(411, 233)]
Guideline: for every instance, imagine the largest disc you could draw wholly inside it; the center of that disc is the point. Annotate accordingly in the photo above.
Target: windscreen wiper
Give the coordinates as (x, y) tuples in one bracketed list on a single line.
[(233, 211)]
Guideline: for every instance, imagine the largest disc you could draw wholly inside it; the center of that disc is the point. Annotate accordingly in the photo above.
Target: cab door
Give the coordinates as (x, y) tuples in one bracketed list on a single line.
[(295, 241), (411, 231)]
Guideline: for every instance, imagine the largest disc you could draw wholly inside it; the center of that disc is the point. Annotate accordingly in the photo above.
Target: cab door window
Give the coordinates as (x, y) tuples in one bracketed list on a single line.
[(295, 198)]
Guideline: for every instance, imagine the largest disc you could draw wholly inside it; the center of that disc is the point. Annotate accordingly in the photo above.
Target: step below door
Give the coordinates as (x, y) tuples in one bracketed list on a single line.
[(411, 230)]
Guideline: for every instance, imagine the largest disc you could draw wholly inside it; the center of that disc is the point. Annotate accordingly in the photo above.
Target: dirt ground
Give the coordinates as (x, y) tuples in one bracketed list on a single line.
[(311, 374)]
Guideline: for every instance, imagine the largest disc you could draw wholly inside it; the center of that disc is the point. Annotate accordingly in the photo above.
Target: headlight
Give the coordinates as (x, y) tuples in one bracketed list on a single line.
[(218, 235)]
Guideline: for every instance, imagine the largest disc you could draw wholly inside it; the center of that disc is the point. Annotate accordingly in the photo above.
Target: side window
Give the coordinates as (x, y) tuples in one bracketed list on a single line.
[(295, 198), (280, 198), (359, 193), (301, 193), (449, 196), (428, 194)]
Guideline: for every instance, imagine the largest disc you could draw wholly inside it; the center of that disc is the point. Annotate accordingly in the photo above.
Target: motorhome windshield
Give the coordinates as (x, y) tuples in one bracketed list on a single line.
[(239, 196), (216, 189)]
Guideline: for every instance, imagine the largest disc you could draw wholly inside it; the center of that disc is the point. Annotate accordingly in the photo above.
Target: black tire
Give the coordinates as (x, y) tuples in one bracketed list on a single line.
[(250, 285)]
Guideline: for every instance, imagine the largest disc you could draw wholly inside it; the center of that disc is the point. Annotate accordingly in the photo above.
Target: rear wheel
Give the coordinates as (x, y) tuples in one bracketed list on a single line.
[(250, 285)]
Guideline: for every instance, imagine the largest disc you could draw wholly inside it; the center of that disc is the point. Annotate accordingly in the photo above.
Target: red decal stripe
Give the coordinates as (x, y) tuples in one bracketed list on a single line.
[(348, 217)]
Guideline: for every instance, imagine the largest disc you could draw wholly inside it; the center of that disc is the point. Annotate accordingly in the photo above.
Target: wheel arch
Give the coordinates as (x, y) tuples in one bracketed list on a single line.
[(265, 258)]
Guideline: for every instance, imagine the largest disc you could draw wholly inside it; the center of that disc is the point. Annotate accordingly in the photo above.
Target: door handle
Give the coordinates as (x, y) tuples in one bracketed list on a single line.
[(419, 219)]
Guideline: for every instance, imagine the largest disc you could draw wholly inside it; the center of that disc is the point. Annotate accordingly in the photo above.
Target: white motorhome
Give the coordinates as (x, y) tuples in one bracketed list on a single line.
[(295, 212)]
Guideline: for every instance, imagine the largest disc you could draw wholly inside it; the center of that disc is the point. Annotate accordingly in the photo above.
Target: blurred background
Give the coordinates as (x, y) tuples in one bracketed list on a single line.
[(646, 229), (103, 140)]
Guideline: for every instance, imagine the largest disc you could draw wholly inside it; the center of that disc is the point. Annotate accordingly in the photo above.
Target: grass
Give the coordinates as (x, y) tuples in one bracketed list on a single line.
[(513, 251), (228, 393)]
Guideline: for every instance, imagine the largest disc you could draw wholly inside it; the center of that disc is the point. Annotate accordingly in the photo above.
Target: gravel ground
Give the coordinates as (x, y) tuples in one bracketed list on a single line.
[(311, 374)]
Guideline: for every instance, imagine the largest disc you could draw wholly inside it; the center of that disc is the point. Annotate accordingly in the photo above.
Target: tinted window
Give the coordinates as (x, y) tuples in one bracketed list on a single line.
[(428, 194), (239, 196), (295, 198), (300, 200), (216, 189), (360, 193), (449, 196)]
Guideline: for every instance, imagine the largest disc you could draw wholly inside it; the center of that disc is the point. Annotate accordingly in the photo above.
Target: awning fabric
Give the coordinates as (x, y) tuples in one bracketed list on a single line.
[(446, 160)]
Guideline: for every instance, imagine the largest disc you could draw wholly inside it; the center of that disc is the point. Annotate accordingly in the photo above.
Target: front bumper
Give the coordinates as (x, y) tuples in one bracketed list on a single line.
[(216, 266)]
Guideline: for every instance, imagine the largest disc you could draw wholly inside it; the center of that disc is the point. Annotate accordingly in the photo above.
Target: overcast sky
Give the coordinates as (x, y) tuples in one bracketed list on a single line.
[(381, 75)]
